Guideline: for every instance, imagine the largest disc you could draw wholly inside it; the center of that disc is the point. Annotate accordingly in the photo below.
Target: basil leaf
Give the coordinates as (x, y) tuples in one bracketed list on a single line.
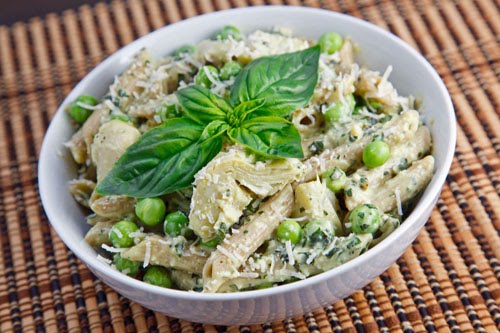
[(245, 108), (164, 160), (285, 81), (201, 105), (214, 129), (269, 136)]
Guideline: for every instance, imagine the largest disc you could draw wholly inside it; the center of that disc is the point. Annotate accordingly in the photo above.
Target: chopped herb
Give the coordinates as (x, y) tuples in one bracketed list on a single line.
[(363, 183), (349, 192), (385, 119), (378, 137), (353, 242), (403, 164), (122, 93), (316, 147)]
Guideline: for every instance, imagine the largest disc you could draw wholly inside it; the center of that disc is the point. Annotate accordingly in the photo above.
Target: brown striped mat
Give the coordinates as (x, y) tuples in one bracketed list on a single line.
[(447, 281)]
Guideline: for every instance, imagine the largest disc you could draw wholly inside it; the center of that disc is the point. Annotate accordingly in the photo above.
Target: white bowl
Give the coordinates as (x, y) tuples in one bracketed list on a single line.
[(412, 74)]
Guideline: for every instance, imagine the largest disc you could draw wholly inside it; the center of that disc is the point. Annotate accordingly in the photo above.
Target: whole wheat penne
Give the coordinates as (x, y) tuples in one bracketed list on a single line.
[(224, 263), (405, 186), (155, 250), (399, 129), (363, 185)]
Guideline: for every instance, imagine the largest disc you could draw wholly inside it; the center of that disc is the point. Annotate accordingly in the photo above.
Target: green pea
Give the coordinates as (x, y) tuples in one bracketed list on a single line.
[(129, 267), (121, 117), (230, 69), (202, 79), (364, 219), (120, 234), (150, 211), (185, 49), (80, 113), (335, 179), (334, 113), (376, 153), (211, 243), (229, 30), (330, 42), (289, 230), (339, 110), (175, 223), (158, 276)]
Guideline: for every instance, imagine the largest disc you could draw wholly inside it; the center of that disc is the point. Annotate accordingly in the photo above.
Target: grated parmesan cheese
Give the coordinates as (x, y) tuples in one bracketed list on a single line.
[(117, 233), (386, 75), (273, 262), (112, 249), (104, 260), (87, 106), (288, 247), (311, 258), (331, 246), (297, 275), (147, 255), (228, 254), (398, 202), (250, 275)]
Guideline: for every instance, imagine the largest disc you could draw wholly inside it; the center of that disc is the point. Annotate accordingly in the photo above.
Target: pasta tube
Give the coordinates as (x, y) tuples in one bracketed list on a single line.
[(225, 262), (363, 185), (155, 250)]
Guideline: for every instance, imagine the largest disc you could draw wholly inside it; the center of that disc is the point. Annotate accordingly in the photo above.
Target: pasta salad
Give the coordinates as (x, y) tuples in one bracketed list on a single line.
[(246, 161)]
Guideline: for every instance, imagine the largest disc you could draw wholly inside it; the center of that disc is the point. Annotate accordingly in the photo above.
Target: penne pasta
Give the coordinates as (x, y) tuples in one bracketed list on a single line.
[(224, 263), (399, 129), (408, 183), (363, 186), (314, 202), (155, 250), (98, 234)]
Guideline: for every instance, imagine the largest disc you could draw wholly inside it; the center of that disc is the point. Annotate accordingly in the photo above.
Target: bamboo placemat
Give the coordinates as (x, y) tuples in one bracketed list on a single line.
[(447, 281)]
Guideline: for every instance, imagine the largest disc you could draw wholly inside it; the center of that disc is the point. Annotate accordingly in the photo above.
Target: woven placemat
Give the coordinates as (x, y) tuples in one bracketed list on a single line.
[(447, 281)]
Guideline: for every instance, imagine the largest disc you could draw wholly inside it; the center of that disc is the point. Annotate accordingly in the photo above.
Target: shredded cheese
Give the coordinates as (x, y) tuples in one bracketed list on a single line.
[(104, 260), (227, 254), (398, 202), (87, 106), (288, 247), (147, 255), (250, 275), (271, 269), (311, 258), (112, 249)]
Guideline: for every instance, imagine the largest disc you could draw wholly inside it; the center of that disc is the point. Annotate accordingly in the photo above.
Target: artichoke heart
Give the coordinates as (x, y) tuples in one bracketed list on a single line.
[(229, 183)]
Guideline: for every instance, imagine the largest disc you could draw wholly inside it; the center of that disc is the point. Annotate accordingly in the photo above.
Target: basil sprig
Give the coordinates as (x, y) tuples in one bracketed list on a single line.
[(166, 158)]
